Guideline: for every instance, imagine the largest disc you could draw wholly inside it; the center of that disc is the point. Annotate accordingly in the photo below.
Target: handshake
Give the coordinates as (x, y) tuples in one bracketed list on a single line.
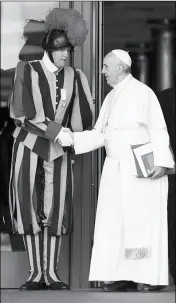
[(65, 137)]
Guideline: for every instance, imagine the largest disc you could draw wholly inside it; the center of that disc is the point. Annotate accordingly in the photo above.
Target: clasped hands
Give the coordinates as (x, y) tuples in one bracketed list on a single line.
[(65, 137)]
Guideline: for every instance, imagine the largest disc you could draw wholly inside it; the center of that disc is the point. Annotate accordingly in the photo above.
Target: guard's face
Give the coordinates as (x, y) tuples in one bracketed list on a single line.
[(111, 69), (60, 57)]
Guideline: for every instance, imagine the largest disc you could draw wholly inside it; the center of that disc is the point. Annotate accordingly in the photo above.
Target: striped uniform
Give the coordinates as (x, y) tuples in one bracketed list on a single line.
[(33, 103), (41, 187)]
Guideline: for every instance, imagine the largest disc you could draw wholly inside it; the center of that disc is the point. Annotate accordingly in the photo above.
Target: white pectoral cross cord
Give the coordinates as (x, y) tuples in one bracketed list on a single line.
[(110, 107), (115, 92)]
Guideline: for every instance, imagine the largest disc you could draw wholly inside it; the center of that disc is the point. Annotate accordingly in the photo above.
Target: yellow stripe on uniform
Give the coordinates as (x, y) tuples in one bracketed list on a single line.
[(48, 191), (52, 253), (37, 251), (63, 182), (30, 254), (33, 168), (86, 88), (19, 159)]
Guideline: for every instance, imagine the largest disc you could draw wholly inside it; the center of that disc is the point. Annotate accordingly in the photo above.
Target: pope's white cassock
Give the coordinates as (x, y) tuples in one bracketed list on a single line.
[(130, 238)]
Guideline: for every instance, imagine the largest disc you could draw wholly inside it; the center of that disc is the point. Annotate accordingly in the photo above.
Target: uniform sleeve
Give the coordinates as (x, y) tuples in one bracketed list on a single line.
[(158, 133), (83, 108), (24, 110)]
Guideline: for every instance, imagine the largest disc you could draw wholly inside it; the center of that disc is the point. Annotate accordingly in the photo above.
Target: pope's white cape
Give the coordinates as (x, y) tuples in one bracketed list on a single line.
[(130, 238)]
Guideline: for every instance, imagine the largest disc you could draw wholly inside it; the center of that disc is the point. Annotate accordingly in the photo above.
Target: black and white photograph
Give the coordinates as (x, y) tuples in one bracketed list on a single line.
[(87, 151)]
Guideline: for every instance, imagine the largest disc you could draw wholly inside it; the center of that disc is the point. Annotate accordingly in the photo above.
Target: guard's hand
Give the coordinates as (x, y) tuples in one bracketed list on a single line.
[(65, 138), (156, 172), (69, 132)]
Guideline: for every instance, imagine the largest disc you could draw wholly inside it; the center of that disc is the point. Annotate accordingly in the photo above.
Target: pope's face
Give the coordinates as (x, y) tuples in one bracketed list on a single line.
[(60, 57), (111, 69)]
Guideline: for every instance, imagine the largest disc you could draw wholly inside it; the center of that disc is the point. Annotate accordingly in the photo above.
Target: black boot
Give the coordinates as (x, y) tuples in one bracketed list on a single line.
[(58, 286), (29, 285)]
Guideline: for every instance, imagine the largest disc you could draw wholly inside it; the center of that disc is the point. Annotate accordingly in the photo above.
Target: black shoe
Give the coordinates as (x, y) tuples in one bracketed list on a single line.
[(151, 288), (29, 285), (120, 286), (58, 286)]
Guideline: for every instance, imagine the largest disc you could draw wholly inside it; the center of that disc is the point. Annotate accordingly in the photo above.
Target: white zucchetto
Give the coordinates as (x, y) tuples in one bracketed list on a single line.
[(123, 56)]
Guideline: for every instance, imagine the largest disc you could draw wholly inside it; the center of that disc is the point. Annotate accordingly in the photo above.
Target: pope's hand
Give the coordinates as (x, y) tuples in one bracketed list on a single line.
[(64, 137), (157, 172)]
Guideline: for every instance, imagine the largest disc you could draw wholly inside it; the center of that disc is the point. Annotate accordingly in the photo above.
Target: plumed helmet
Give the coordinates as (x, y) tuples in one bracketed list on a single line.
[(64, 28), (55, 40)]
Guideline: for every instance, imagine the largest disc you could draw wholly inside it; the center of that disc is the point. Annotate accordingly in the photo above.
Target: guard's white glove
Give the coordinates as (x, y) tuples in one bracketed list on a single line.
[(64, 138)]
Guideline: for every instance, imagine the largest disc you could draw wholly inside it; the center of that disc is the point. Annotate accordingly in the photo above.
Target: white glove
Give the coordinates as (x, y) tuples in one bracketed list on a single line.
[(64, 138)]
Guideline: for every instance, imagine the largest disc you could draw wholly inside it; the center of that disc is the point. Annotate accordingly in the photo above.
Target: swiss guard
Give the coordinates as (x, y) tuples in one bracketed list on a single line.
[(47, 96)]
